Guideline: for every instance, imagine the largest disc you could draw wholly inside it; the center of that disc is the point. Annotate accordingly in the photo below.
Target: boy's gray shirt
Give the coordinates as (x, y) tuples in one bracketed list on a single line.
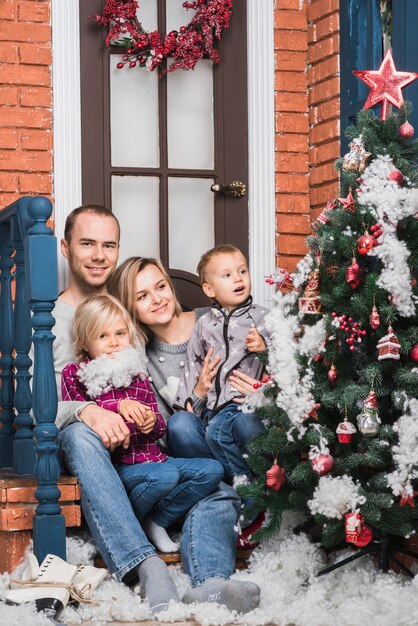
[(225, 333)]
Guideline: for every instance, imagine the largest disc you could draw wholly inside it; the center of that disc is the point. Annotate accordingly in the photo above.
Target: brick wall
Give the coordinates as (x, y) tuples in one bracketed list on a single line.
[(25, 99), (307, 108)]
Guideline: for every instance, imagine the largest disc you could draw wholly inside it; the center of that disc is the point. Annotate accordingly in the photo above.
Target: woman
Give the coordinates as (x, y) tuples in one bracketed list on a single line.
[(145, 289)]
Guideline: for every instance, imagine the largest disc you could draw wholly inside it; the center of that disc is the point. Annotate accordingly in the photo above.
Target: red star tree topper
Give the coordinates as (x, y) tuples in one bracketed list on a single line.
[(386, 84)]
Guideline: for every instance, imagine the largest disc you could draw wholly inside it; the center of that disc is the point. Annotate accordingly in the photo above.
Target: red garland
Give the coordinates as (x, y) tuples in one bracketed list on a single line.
[(186, 46)]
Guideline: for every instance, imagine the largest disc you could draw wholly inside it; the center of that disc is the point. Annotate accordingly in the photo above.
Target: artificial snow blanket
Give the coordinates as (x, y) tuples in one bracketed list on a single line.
[(291, 595)]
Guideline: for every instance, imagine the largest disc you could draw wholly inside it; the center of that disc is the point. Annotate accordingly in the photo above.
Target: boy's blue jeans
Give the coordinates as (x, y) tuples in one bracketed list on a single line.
[(223, 435), (209, 533), (169, 490)]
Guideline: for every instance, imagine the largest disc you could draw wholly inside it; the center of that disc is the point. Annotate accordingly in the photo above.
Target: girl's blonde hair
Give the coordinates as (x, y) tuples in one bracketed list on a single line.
[(93, 317), (122, 286)]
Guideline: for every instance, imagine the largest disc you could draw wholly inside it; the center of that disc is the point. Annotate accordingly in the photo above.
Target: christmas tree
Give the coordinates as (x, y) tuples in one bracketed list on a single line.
[(341, 403)]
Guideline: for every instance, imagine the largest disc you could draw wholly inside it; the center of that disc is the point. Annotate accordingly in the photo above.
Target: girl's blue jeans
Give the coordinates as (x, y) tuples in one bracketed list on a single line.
[(167, 491)]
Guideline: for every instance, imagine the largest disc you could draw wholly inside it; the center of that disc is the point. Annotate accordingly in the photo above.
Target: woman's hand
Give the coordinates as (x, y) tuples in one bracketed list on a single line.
[(149, 422), (242, 383), (133, 411), (208, 373), (254, 341)]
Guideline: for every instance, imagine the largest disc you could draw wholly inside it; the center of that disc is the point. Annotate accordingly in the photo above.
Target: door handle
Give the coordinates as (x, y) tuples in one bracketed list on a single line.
[(236, 189)]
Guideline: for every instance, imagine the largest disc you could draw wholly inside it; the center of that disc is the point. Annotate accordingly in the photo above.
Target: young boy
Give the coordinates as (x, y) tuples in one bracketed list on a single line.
[(233, 331)]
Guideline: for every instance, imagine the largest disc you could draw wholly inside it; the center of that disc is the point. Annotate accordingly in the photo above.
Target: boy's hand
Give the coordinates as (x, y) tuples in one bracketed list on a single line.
[(254, 341), (149, 422), (133, 411), (207, 374)]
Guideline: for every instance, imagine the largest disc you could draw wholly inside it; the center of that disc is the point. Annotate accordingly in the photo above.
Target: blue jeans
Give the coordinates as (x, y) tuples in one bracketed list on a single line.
[(209, 533), (168, 490), (223, 435)]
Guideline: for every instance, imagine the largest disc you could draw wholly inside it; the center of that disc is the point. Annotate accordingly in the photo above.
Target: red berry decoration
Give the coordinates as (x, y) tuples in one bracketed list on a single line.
[(322, 464), (406, 130), (365, 243), (414, 352), (397, 176)]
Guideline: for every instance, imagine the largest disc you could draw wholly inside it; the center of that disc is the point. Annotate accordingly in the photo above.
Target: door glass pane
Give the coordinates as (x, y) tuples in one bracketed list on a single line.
[(177, 15), (147, 14), (135, 202), (133, 116), (190, 118), (190, 221)]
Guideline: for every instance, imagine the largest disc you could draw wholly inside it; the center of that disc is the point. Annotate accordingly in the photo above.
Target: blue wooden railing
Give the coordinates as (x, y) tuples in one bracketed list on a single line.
[(28, 245)]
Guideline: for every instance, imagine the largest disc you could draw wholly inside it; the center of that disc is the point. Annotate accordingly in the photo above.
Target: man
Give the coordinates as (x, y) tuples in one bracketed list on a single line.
[(88, 433)]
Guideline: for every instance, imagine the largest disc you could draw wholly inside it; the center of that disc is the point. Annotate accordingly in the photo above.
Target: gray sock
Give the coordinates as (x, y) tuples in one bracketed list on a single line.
[(237, 595), (156, 583)]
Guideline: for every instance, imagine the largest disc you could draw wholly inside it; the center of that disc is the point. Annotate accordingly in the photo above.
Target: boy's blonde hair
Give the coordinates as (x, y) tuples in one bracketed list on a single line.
[(122, 286), (93, 316), (206, 258)]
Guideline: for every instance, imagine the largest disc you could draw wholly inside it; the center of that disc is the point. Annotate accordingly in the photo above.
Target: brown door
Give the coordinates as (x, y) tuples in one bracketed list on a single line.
[(153, 146)]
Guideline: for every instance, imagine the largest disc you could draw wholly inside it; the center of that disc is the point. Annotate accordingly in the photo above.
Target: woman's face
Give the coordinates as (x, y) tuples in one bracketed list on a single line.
[(155, 303)]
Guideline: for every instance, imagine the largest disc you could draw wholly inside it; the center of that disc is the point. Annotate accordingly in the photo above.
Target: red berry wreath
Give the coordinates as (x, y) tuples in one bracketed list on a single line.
[(185, 46)]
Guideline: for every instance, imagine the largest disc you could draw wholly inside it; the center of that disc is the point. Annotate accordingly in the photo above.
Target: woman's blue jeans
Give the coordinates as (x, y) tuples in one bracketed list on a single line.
[(209, 533), (167, 491), (223, 435)]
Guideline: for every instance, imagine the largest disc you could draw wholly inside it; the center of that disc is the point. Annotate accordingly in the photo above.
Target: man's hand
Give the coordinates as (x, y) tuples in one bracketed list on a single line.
[(254, 341), (109, 426), (133, 411), (208, 373), (242, 383), (149, 422)]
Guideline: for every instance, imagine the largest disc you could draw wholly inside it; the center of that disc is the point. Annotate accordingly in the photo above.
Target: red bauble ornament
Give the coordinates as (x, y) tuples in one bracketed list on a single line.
[(356, 531), (353, 274), (346, 431), (349, 204), (332, 375), (406, 130), (414, 352), (374, 319), (275, 477), (397, 176), (365, 243), (322, 464), (386, 84)]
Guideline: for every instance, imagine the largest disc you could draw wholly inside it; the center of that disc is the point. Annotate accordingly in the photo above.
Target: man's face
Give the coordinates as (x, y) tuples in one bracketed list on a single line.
[(92, 251)]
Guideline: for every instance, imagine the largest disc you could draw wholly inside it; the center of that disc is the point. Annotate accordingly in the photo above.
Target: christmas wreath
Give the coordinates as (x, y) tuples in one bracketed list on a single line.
[(186, 46)]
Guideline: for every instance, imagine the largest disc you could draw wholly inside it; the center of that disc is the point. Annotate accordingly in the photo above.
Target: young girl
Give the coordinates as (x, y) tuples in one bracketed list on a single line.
[(111, 371)]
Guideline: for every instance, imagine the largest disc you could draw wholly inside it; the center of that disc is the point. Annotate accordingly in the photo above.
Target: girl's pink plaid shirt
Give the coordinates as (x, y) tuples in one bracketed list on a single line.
[(142, 448)]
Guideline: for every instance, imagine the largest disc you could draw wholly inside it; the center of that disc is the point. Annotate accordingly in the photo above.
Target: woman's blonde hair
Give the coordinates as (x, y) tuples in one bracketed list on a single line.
[(122, 286), (93, 317)]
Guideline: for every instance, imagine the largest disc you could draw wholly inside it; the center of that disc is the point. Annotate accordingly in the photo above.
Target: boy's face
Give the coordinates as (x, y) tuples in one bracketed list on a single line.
[(227, 280)]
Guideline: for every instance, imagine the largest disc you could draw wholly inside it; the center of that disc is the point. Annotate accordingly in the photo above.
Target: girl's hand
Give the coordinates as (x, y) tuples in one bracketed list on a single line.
[(133, 411), (242, 383), (149, 422), (254, 341), (207, 374)]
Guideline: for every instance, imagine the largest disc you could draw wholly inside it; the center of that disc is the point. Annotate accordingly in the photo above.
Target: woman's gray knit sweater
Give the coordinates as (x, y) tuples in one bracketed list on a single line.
[(165, 364)]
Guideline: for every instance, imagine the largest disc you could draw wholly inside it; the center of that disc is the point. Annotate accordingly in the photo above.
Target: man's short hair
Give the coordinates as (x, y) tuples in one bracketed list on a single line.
[(205, 259), (94, 209)]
